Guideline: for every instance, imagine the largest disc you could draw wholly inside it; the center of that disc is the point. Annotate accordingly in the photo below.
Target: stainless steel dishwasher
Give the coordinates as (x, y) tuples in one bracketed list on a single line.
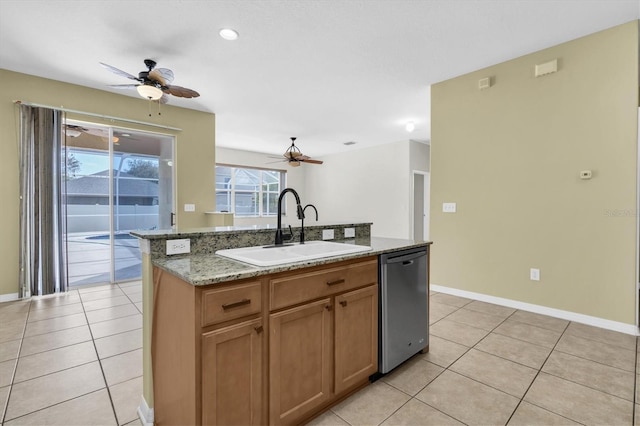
[(404, 307)]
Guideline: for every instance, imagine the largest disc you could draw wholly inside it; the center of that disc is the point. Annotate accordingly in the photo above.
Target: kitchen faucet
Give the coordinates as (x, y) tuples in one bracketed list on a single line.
[(279, 237), (302, 229)]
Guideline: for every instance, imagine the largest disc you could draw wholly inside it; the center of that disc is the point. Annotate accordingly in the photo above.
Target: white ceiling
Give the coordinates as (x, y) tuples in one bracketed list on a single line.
[(326, 71)]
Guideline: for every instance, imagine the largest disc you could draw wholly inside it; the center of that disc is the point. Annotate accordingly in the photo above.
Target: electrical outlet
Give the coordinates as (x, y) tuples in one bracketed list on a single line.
[(349, 232), (189, 207), (178, 246), (534, 274), (449, 207), (327, 234)]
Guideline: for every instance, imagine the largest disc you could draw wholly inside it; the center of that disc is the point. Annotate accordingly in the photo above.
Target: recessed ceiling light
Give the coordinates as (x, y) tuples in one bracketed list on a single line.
[(350, 143), (410, 126), (228, 34)]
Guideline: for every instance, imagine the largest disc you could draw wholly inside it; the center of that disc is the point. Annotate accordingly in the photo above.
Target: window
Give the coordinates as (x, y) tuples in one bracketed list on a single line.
[(248, 192)]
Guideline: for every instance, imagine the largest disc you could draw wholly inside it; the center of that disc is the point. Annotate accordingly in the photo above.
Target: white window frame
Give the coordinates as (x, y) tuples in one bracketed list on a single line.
[(260, 193)]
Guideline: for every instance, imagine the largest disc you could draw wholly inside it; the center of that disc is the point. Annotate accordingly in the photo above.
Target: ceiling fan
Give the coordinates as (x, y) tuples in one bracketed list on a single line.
[(294, 157), (153, 84)]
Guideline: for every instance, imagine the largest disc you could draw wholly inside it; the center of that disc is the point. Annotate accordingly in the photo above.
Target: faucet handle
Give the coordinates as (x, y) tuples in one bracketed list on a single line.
[(290, 236)]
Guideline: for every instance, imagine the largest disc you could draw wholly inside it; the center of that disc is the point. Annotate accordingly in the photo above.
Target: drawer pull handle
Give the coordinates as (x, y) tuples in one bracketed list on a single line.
[(336, 282), (258, 329), (343, 303), (236, 304)]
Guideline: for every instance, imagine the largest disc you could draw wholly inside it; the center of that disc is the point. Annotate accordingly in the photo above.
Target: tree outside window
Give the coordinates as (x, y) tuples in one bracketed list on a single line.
[(248, 192)]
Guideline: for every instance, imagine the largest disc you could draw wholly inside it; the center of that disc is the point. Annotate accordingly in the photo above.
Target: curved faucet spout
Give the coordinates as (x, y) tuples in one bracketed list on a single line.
[(300, 211), (302, 229)]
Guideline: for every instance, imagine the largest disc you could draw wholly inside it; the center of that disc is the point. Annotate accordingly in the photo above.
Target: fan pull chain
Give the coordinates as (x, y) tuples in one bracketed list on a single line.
[(159, 108), (149, 107)]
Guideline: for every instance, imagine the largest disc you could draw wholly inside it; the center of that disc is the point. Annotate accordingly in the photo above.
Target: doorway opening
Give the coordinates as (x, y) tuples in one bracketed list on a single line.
[(116, 181), (421, 196)]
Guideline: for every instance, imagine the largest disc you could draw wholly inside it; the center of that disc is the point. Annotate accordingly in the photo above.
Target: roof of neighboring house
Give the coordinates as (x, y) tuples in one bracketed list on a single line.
[(98, 184)]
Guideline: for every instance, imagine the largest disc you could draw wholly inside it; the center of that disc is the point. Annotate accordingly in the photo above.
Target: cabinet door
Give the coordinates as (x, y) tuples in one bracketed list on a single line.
[(300, 350), (232, 375), (356, 337)]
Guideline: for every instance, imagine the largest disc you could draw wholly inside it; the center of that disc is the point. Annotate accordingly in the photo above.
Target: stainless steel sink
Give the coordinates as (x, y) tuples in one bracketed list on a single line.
[(271, 256)]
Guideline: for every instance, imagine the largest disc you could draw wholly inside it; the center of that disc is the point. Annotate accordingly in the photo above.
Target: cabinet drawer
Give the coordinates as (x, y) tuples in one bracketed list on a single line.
[(224, 304), (299, 288)]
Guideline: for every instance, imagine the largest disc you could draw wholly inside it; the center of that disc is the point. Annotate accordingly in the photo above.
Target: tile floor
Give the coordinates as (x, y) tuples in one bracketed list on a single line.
[(76, 359), (72, 359)]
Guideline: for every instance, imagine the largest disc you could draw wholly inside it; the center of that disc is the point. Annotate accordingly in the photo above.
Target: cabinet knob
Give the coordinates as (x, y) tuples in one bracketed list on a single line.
[(258, 329), (343, 303), (328, 307)]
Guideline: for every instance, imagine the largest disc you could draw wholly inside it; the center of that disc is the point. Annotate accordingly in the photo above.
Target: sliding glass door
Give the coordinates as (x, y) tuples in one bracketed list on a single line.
[(117, 181)]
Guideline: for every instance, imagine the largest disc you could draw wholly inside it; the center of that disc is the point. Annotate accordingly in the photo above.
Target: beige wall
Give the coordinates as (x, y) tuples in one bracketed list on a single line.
[(510, 156), (195, 150)]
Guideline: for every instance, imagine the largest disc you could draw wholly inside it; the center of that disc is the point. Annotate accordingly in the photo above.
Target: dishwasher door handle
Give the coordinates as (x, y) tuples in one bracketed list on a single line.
[(406, 258)]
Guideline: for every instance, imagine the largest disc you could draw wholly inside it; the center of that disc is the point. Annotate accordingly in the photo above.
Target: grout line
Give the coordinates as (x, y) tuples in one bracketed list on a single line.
[(3, 414)]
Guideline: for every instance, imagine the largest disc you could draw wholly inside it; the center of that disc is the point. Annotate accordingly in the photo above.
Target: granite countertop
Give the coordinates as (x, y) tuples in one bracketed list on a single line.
[(205, 269)]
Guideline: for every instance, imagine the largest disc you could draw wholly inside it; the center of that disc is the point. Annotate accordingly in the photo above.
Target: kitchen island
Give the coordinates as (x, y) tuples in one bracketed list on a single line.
[(233, 343)]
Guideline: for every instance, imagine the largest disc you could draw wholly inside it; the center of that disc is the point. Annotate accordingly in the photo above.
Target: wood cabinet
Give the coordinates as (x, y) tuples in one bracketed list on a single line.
[(321, 348), (276, 349), (232, 374)]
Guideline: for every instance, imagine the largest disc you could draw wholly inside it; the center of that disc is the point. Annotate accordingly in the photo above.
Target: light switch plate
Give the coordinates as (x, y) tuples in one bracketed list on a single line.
[(189, 207), (349, 232), (449, 207), (534, 274), (178, 246), (327, 234)]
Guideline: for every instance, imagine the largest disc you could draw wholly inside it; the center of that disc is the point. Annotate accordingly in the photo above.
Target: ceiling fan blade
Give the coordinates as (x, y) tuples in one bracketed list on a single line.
[(164, 99), (279, 161), (119, 72), (122, 86), (162, 75), (181, 92), (310, 161)]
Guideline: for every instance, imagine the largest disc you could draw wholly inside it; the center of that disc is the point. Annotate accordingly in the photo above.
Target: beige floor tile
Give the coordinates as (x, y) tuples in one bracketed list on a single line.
[(30, 396), (135, 297), (613, 338), (12, 330), (136, 422), (602, 353), (126, 399), (111, 313), (489, 308), (415, 412), (14, 310), (449, 299), (45, 302), (496, 372), (413, 375), (528, 414), (136, 283), (515, 350), (528, 333), (475, 319), (468, 401), (139, 306), (90, 409), (102, 294), (48, 362), (637, 392), (89, 289), (457, 332), (6, 372), (4, 395), (579, 403), (54, 324), (539, 320), (636, 415), (437, 311), (9, 350), (123, 367), (328, 418), (119, 325), (372, 405), (443, 352), (132, 290), (106, 303), (54, 340), (56, 311), (598, 376), (119, 343)]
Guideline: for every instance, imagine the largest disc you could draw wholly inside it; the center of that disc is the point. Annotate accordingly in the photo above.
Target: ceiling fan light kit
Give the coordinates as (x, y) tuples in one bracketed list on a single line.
[(295, 157), (149, 91)]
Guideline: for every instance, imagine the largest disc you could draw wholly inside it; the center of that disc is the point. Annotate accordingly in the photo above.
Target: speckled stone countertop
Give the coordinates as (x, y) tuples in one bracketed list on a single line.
[(205, 269)]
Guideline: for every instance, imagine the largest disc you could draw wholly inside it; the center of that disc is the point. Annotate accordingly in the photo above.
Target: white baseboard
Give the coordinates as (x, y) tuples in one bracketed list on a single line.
[(145, 413), (8, 297), (544, 310)]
